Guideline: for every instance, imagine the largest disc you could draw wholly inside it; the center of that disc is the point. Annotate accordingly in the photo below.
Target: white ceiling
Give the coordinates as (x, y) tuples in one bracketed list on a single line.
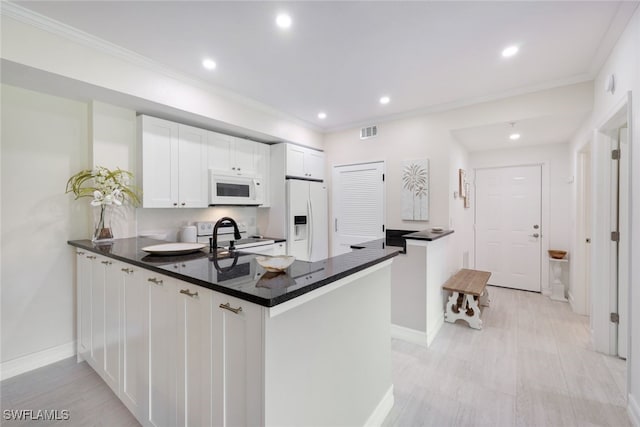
[(552, 129), (340, 57)]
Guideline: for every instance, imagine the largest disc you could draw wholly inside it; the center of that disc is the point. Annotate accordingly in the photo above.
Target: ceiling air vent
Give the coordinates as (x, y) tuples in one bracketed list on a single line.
[(369, 132)]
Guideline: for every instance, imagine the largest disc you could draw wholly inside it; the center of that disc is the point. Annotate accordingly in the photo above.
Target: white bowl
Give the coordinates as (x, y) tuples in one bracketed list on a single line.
[(275, 263)]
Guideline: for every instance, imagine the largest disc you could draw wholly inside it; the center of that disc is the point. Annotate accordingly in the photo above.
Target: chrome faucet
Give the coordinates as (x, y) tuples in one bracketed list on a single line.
[(213, 241)]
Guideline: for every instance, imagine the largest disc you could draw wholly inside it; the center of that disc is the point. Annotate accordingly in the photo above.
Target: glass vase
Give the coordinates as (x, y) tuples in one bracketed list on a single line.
[(102, 224)]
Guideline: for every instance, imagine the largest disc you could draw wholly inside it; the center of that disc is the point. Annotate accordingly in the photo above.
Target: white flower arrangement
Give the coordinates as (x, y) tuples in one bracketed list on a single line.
[(109, 187)]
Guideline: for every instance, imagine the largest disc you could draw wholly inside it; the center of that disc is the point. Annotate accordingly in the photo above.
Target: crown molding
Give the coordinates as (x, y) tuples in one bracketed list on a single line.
[(450, 106), (34, 19)]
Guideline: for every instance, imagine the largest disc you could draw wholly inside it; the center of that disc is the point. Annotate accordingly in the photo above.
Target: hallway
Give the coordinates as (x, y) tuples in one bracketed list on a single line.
[(530, 366)]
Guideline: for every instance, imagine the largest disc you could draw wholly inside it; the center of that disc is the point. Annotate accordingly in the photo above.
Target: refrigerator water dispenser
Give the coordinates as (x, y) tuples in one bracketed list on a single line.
[(300, 227)]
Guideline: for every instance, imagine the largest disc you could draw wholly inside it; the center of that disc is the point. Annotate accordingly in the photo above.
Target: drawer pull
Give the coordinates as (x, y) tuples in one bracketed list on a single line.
[(91, 257), (154, 280), (80, 253), (127, 270), (227, 306), (189, 294), (106, 262)]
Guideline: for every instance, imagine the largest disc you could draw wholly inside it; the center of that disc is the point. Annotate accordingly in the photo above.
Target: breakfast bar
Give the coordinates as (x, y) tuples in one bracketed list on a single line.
[(309, 346)]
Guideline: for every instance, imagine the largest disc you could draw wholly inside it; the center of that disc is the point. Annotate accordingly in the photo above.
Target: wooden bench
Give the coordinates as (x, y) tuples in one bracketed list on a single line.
[(469, 292)]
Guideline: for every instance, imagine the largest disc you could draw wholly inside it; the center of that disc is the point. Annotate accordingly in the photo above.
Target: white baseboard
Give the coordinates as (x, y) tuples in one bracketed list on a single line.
[(431, 334), (409, 335), (634, 411), (571, 301), (379, 414), (32, 361)]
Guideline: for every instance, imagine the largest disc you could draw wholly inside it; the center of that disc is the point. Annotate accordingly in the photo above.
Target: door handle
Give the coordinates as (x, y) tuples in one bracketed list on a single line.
[(335, 225), (188, 293), (536, 235), (227, 306)]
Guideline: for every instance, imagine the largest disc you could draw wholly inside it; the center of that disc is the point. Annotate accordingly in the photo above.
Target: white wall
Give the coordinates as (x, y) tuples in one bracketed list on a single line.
[(624, 62), (113, 145), (429, 135), (44, 142)]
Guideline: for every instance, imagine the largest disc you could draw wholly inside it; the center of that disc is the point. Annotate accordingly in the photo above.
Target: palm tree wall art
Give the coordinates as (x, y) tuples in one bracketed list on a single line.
[(415, 190)]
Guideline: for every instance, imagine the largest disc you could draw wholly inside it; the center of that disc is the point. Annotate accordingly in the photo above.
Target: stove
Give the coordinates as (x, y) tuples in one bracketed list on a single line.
[(225, 234)]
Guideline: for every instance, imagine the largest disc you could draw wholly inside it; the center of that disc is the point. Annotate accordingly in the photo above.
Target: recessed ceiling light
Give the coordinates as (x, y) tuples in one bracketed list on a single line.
[(283, 20), (209, 64), (322, 115), (514, 136), (510, 51), (385, 100)]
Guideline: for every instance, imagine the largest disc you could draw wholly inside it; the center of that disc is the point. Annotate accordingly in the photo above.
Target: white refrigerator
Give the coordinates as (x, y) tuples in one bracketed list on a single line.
[(307, 227)]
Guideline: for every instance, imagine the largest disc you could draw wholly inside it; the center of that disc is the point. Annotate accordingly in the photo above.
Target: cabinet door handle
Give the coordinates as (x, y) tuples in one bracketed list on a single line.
[(106, 262), (227, 306), (189, 294), (175, 204), (80, 253), (91, 257), (154, 280), (233, 168), (127, 270), (239, 169), (183, 203)]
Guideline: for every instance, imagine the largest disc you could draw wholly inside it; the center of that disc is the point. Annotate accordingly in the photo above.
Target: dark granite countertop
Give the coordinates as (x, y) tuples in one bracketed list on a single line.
[(379, 244), (427, 235), (246, 279)]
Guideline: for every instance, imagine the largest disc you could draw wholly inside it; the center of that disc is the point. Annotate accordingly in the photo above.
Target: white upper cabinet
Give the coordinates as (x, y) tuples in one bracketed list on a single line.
[(230, 155), (193, 182), (173, 164), (304, 162), (263, 169)]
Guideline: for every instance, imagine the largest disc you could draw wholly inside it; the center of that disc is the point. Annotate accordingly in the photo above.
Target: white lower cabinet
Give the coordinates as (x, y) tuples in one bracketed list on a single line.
[(194, 358), (83, 280), (133, 340), (176, 354), (179, 353), (237, 362)]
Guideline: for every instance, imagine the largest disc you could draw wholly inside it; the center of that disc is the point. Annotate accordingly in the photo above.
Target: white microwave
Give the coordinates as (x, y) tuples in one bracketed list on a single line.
[(235, 190)]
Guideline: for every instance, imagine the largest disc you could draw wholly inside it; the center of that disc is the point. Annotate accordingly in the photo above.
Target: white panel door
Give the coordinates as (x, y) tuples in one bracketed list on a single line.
[(134, 304), (162, 351), (314, 164), (160, 162), (295, 161), (193, 182), (237, 362), (194, 361), (84, 304), (244, 155), (220, 149), (508, 225), (96, 360), (113, 282), (358, 205)]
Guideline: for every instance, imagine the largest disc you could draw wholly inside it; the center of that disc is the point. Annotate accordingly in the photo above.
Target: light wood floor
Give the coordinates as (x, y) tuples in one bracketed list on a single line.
[(530, 366)]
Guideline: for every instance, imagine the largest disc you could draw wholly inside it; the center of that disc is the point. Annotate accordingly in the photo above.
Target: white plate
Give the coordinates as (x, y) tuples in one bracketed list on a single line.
[(275, 263), (173, 248)]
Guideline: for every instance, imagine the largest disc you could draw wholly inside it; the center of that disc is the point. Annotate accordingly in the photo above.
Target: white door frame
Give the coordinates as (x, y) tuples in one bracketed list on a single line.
[(604, 298), (580, 284), (332, 198), (545, 285)]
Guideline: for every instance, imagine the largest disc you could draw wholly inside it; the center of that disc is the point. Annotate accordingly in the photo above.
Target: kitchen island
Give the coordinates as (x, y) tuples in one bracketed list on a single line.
[(206, 340)]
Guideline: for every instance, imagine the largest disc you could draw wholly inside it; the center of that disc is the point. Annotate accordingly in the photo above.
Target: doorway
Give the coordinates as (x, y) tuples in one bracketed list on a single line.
[(358, 205), (508, 225), (610, 246)]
